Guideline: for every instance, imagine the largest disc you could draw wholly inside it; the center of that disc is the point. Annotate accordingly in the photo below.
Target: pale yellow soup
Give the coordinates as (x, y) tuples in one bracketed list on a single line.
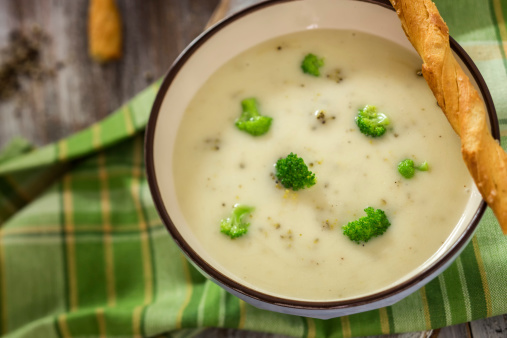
[(295, 247)]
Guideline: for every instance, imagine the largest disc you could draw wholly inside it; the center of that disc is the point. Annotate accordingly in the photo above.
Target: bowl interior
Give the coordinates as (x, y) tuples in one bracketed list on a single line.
[(223, 42)]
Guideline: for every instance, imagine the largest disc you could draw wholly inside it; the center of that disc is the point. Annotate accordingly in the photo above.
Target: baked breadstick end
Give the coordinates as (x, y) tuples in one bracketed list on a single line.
[(104, 31), (459, 100)]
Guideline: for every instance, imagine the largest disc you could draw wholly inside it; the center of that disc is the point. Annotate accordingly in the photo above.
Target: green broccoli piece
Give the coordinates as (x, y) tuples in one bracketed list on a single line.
[(365, 228), (407, 168), (293, 173), (234, 226), (251, 121), (370, 122), (311, 64)]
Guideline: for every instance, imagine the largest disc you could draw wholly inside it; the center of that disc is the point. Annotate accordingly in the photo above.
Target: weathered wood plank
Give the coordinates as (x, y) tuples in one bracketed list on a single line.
[(82, 92), (231, 333), (495, 327), (455, 331)]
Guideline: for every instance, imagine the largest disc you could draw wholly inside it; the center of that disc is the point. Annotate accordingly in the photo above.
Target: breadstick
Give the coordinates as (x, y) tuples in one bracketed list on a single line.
[(104, 30), (459, 100)]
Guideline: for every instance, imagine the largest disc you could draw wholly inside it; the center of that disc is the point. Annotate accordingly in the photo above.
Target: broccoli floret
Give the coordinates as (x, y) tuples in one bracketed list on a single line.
[(407, 168), (365, 228), (234, 226), (251, 121), (293, 173), (370, 122), (311, 64)]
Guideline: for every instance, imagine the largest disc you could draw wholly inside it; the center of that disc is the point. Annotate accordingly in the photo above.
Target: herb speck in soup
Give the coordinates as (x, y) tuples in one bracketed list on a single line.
[(250, 117)]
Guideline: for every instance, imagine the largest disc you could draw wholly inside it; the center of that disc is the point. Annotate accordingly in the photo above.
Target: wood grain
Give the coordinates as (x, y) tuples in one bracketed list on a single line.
[(495, 327), (82, 91)]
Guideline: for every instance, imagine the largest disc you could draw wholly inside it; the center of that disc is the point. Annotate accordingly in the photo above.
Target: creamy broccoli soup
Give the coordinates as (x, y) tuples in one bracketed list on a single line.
[(294, 246)]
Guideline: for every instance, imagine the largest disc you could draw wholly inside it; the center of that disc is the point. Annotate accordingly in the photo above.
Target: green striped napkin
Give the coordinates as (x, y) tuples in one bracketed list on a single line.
[(84, 254)]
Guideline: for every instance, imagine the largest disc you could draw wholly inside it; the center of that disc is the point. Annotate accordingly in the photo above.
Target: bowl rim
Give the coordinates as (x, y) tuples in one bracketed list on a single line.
[(222, 279)]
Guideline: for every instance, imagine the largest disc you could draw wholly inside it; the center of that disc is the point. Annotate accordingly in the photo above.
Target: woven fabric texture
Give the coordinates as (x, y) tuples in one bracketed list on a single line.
[(83, 252)]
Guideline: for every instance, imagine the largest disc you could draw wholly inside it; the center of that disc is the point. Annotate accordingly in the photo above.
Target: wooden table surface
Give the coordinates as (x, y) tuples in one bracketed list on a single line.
[(80, 91)]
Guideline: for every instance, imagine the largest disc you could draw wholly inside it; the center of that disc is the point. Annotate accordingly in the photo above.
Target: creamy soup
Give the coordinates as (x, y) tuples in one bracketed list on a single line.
[(295, 247)]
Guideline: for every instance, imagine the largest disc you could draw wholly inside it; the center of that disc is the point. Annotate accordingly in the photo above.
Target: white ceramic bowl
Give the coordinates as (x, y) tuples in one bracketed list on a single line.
[(221, 43)]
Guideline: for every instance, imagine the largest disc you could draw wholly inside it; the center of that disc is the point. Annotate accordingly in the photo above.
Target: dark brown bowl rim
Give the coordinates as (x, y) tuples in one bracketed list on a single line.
[(266, 298)]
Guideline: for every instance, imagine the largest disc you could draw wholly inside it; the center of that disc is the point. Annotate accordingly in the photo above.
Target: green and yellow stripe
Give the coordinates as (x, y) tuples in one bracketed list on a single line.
[(3, 289), (70, 245), (384, 321), (498, 17), (188, 292), (484, 278), (144, 227), (346, 329), (107, 230), (62, 327)]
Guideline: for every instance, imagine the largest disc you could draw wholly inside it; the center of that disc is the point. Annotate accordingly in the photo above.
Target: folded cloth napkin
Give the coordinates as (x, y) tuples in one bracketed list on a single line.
[(83, 252)]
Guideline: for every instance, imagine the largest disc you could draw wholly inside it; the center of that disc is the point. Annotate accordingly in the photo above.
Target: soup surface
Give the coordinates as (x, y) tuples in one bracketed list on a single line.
[(295, 246)]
